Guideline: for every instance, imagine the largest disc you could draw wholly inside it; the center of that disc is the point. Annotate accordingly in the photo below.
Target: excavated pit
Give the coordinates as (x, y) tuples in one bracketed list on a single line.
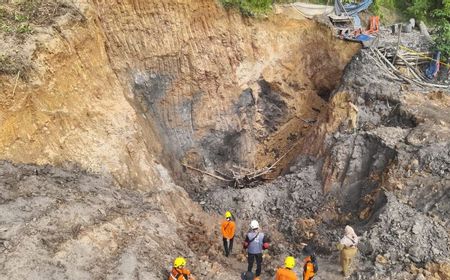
[(123, 93)]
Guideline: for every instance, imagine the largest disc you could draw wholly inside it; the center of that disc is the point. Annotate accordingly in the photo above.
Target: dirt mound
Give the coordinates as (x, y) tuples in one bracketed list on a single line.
[(66, 223), (404, 236)]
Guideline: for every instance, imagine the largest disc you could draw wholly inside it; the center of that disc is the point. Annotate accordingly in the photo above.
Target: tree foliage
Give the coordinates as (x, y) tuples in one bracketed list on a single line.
[(249, 7), (434, 12), (441, 17)]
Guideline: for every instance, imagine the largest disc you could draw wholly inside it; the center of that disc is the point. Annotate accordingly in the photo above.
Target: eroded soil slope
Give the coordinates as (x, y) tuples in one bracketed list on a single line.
[(69, 224), (116, 85)]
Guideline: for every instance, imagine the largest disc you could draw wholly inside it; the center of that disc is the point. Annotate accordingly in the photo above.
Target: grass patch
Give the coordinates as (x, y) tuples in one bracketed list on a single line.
[(261, 7), (12, 65), (19, 17), (249, 7)]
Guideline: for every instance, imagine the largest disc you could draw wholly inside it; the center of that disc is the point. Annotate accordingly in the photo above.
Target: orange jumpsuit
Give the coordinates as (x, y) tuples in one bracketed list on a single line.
[(285, 274), (308, 269), (228, 228), (180, 274)]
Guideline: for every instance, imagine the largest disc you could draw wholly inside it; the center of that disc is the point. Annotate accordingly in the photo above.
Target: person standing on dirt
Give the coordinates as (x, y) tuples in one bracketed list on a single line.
[(348, 247), (287, 273), (255, 242), (179, 272), (228, 228), (352, 114), (310, 266)]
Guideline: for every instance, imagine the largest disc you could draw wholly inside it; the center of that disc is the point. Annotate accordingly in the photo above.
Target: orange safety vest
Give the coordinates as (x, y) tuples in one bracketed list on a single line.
[(308, 269), (180, 274), (228, 228), (285, 274)]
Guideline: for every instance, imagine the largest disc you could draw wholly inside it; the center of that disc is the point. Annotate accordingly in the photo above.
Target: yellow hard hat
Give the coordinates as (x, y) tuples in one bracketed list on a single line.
[(180, 261), (228, 214), (289, 262)]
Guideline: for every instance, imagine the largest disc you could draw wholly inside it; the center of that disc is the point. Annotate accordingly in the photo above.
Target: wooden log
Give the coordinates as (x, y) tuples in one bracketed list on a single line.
[(207, 173)]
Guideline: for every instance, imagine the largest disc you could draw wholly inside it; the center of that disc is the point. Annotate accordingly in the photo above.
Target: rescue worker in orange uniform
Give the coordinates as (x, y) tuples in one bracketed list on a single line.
[(179, 272), (228, 229), (287, 273), (310, 266)]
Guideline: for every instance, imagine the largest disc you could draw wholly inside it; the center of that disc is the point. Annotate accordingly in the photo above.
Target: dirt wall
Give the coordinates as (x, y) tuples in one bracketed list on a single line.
[(119, 84)]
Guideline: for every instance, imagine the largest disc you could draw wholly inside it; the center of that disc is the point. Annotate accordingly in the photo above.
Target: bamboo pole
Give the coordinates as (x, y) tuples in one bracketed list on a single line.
[(398, 42), (207, 173)]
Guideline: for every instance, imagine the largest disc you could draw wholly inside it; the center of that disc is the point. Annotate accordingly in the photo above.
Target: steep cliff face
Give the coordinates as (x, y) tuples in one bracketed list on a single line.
[(70, 107), (131, 81), (219, 88)]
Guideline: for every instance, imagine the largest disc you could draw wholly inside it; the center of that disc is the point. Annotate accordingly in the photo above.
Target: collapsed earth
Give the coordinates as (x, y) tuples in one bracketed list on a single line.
[(178, 138)]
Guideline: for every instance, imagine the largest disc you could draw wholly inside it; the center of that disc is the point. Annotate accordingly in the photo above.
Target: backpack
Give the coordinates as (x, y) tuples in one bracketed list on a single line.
[(315, 264), (313, 261)]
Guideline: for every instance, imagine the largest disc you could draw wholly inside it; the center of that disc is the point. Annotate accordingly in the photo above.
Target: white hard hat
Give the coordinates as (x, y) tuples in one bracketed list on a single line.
[(254, 224)]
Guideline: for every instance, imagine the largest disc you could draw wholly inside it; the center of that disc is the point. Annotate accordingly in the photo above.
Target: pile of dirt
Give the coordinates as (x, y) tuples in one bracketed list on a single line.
[(66, 223), (403, 236)]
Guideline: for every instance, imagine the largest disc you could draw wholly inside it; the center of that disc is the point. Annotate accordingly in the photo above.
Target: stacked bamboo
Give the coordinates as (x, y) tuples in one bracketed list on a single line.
[(392, 60)]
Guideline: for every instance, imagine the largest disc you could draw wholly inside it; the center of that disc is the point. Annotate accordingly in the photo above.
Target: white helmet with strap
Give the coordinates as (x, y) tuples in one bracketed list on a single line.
[(254, 224)]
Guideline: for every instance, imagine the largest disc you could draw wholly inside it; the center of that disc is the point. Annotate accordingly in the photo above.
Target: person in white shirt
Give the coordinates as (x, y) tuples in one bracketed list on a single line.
[(348, 247)]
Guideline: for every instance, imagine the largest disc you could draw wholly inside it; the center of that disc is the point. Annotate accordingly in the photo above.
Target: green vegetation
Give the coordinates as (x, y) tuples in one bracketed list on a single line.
[(13, 20), (387, 4), (441, 17), (249, 7), (10, 65), (18, 17), (261, 7), (435, 13)]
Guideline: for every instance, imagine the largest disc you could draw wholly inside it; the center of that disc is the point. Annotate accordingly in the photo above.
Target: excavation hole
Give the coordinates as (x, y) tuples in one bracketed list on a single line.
[(399, 118)]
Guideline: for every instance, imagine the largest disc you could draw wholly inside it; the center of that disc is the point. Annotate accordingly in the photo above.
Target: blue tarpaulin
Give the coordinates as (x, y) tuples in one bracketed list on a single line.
[(365, 40), (352, 10), (364, 37), (433, 68)]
